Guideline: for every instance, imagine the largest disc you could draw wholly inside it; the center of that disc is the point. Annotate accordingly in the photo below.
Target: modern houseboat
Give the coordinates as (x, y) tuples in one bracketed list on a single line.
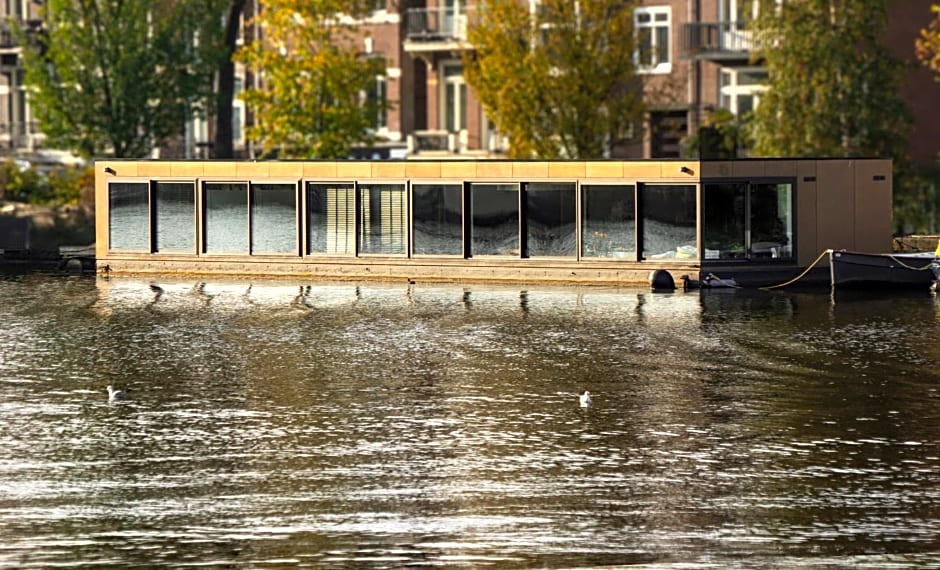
[(758, 221)]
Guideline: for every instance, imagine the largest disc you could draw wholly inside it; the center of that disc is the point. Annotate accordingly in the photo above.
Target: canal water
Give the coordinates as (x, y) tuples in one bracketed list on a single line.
[(336, 425)]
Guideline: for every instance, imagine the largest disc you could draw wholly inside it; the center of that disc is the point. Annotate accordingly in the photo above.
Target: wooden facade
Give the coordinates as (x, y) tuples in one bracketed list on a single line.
[(579, 222)]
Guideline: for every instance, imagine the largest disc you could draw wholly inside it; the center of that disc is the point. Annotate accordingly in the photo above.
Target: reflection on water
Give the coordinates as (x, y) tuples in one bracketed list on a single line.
[(385, 426)]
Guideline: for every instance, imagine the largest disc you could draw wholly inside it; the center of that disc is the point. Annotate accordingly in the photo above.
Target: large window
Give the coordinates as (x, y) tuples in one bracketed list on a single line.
[(331, 218), (550, 219), (652, 39), (176, 216), (129, 216), (723, 220), (226, 215), (273, 218), (383, 218), (608, 221), (438, 219), (747, 221), (669, 221), (495, 219)]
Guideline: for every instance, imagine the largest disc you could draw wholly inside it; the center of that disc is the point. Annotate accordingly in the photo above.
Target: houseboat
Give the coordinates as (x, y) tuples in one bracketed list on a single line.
[(610, 222)]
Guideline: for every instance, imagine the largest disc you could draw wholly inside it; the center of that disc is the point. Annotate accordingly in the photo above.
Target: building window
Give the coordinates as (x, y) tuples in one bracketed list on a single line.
[(741, 89), (129, 216), (331, 218), (550, 218), (176, 216), (438, 219), (608, 221), (455, 98), (652, 39), (377, 99), (668, 221), (494, 228), (383, 216), (226, 217), (273, 218)]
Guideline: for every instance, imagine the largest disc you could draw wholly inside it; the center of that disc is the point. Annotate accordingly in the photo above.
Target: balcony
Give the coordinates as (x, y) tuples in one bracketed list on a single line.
[(435, 29), (727, 42)]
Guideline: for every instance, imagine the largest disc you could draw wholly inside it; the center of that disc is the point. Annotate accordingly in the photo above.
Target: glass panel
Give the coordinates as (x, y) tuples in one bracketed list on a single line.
[(644, 43), (129, 216), (668, 222), (438, 219), (273, 218), (550, 219), (608, 221), (384, 219), (226, 218), (771, 221), (331, 218), (723, 220), (176, 216), (495, 227), (662, 45)]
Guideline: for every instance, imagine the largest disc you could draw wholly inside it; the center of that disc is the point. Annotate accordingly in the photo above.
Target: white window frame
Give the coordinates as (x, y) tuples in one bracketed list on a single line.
[(728, 87), (653, 12)]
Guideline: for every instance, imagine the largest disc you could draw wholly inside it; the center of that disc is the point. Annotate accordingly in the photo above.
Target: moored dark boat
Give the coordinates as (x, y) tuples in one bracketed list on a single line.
[(859, 269)]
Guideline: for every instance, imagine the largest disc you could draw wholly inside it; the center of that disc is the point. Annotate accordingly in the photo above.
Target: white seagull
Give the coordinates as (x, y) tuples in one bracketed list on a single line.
[(114, 395), (585, 399)]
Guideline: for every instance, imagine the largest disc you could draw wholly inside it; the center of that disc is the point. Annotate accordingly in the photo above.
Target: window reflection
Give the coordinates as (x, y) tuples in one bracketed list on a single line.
[(771, 221), (608, 220), (668, 221), (495, 219), (176, 210), (723, 220), (438, 219), (273, 218), (226, 228), (129, 216), (331, 218), (384, 219), (550, 219)]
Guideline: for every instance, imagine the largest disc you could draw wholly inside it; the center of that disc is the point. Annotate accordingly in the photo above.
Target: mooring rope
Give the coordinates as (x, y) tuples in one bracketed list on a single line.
[(912, 268), (801, 275)]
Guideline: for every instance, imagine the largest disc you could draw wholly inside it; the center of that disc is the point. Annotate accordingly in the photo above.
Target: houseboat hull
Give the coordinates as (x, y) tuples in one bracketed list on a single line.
[(902, 270)]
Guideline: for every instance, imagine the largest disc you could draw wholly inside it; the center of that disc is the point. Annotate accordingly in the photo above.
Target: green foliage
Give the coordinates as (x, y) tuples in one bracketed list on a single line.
[(312, 103), (833, 89), (917, 200), (559, 83), (720, 136), (117, 77), (64, 186)]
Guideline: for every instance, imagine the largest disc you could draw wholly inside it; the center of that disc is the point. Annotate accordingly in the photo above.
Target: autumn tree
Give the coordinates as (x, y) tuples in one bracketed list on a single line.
[(927, 46), (833, 88), (114, 77), (312, 99), (559, 80)]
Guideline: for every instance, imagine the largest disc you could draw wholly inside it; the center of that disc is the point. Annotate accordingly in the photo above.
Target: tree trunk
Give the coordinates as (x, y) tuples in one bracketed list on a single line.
[(223, 146)]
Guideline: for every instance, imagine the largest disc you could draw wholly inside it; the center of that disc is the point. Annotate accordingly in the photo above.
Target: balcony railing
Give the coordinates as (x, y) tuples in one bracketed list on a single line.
[(717, 40), (441, 24)]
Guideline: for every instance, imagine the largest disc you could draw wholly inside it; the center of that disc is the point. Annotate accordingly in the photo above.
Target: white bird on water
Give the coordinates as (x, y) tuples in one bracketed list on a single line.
[(585, 399), (114, 395)]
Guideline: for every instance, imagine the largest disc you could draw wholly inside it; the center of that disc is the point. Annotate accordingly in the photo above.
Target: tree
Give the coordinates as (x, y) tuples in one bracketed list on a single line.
[(312, 102), (559, 82), (832, 88), (223, 145), (927, 45), (113, 77)]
